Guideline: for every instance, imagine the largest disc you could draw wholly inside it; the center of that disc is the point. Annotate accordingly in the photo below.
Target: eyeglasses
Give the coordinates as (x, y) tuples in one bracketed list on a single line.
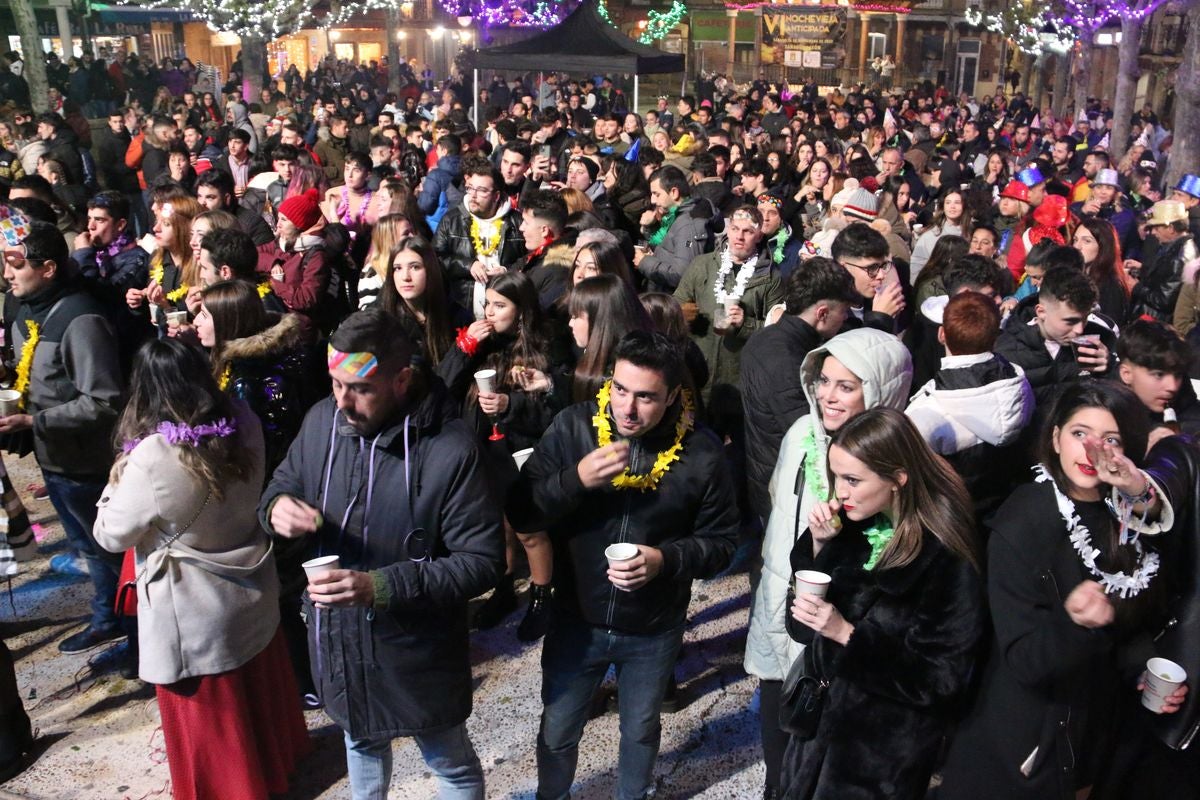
[(478, 190), (873, 270)]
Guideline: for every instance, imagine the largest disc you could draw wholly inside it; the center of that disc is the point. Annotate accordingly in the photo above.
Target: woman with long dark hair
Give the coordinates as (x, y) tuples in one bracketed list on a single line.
[(602, 310), (513, 341), (626, 187), (415, 289), (1096, 241), (183, 493), (1074, 603), (894, 639)]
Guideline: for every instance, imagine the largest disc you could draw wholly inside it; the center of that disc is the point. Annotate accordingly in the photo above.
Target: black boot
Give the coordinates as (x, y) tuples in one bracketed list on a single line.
[(497, 607), (537, 614)]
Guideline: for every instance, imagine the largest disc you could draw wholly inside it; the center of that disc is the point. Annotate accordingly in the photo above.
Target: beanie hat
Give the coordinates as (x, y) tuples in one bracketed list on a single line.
[(842, 197), (302, 210), (593, 169), (861, 205)]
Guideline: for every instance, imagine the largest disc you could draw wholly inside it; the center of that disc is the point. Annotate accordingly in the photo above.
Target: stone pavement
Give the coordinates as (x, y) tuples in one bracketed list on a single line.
[(99, 736)]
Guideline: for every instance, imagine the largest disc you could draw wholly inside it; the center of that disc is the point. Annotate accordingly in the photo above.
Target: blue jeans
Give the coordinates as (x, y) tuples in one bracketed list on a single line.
[(75, 501), (448, 754), (575, 658)]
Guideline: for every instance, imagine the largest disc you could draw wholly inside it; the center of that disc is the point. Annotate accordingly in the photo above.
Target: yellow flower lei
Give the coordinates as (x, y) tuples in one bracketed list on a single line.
[(264, 289), (156, 275), (25, 365), (662, 463), (226, 374), (477, 241)]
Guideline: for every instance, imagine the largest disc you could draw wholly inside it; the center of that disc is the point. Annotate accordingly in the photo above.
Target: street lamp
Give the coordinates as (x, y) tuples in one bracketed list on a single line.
[(465, 19)]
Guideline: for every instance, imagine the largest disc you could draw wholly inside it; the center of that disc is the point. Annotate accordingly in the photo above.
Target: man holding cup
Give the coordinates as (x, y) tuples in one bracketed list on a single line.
[(638, 503), (377, 478)]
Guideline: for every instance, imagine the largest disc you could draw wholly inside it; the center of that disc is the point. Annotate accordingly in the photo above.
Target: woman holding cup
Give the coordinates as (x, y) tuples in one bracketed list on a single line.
[(1075, 600), (851, 373), (895, 632), (498, 369)]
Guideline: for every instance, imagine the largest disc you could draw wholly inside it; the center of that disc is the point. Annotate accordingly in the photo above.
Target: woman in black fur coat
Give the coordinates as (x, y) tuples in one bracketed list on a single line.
[(1057, 707), (896, 636)]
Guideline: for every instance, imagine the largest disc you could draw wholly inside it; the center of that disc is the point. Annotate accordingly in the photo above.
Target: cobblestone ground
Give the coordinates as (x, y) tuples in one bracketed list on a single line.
[(99, 736)]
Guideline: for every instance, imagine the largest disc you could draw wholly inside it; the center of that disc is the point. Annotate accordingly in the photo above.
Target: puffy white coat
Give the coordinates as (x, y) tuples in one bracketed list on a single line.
[(953, 420), (885, 368)]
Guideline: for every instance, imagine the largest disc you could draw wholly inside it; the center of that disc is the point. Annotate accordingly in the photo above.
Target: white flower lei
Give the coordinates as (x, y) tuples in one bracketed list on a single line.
[(739, 283), (1081, 539)]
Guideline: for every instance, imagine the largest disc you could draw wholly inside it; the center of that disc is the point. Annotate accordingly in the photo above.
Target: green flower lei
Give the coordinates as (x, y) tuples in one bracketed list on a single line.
[(880, 536), (664, 225)]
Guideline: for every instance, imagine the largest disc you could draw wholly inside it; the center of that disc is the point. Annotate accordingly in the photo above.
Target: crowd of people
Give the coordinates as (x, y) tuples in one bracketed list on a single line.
[(305, 374)]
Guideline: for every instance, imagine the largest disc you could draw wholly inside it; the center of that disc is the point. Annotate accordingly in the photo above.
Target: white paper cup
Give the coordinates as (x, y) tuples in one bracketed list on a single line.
[(1162, 678), (521, 456), (485, 379), (809, 581), (319, 566), (10, 402), (176, 318), (620, 552)]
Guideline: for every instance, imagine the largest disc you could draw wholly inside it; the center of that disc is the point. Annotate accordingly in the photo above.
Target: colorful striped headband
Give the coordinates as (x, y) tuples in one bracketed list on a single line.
[(364, 365), (770, 200)]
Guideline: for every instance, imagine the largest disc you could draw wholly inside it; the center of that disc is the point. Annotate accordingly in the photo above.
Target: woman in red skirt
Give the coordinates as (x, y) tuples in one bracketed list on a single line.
[(183, 494)]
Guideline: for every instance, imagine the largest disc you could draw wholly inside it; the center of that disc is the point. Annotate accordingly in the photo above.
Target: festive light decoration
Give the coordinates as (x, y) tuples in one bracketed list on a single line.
[(657, 23), (1023, 27), (511, 13)]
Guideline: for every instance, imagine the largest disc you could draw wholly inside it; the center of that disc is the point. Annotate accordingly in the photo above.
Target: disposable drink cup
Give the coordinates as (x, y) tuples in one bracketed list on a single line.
[(622, 551), (485, 379), (176, 318), (10, 402), (1162, 678), (809, 581), (521, 456), (720, 319), (319, 566), (1083, 341)]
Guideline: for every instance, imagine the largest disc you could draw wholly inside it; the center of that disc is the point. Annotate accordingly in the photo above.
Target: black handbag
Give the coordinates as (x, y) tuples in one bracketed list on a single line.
[(802, 698)]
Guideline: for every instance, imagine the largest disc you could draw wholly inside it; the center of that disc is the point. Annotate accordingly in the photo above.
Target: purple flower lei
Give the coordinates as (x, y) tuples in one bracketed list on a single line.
[(180, 433), (105, 254)]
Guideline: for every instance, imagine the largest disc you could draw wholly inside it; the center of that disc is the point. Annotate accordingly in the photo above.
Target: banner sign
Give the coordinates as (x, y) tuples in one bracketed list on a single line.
[(791, 34)]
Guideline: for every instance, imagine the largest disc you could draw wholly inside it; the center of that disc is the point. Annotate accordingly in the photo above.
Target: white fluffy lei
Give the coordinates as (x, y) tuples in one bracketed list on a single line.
[(739, 283), (1081, 539)]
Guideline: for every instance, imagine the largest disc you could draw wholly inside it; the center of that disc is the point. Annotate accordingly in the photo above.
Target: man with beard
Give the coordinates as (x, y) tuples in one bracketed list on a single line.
[(479, 238), (727, 295), (515, 161), (215, 192), (677, 228)]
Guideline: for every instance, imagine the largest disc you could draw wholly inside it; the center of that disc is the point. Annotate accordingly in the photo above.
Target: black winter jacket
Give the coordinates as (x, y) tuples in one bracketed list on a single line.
[(452, 241), (1158, 286), (896, 684), (429, 533), (1022, 344), (691, 517), (773, 396)]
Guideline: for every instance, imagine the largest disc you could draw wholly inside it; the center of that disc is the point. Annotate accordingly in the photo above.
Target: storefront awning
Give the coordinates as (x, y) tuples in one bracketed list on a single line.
[(137, 15)]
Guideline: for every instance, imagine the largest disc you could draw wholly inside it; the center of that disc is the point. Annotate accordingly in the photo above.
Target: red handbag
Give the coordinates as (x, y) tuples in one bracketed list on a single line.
[(126, 602)]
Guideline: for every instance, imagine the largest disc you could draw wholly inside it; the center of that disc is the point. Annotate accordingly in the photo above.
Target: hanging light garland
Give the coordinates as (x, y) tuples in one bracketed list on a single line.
[(511, 13), (658, 23), (1022, 28)]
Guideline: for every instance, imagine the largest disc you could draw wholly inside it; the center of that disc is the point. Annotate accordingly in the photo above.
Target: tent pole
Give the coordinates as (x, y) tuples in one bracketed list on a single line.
[(635, 93), (475, 104)]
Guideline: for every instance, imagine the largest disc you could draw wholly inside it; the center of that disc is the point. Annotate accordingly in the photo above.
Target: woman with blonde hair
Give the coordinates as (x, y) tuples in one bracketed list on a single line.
[(206, 222), (388, 231), (576, 201)]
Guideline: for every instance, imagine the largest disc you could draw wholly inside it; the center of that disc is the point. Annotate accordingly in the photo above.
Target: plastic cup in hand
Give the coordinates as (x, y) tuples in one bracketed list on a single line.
[(809, 581), (10, 402), (1162, 678), (620, 552), (316, 567), (521, 456), (1088, 342), (485, 380), (176, 318)]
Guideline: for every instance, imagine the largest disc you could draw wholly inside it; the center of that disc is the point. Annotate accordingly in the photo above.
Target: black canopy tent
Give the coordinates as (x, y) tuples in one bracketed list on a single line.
[(584, 42)]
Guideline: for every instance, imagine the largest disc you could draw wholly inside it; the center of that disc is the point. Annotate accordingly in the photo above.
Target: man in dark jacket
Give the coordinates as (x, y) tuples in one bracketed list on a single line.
[(1161, 276), (863, 252), (380, 478), (215, 192), (1042, 336), (442, 188), (70, 404), (628, 608), (818, 295), (112, 142), (61, 145), (478, 238), (543, 217)]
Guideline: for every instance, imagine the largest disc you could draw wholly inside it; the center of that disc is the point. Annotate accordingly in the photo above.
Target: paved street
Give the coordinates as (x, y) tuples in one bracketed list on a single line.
[(99, 734)]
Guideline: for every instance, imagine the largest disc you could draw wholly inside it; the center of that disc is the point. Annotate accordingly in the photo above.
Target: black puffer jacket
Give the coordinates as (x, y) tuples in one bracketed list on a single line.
[(691, 517), (1158, 286), (452, 241), (773, 395), (402, 667)]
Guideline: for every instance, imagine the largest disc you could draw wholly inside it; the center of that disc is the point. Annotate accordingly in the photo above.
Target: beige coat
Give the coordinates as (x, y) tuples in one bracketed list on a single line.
[(208, 602)]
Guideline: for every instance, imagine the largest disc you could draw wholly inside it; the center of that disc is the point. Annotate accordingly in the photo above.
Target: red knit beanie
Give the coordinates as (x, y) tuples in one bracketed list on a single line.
[(302, 210)]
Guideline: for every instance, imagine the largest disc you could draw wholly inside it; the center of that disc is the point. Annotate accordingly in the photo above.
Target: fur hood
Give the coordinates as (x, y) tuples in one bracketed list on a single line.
[(286, 334)]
